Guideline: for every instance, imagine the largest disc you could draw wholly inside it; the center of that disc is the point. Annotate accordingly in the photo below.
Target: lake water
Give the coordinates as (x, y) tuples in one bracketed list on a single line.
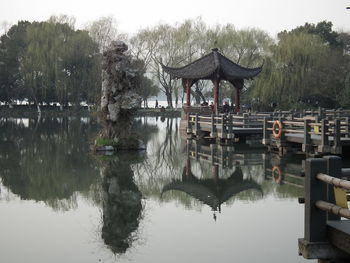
[(174, 202)]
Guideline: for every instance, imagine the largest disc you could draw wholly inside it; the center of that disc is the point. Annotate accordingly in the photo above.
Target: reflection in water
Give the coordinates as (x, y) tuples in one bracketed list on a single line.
[(49, 161), (46, 161), (122, 203), (215, 174), (215, 191)]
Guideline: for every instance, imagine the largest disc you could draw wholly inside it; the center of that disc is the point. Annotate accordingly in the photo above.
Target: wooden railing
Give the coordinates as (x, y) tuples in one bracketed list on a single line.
[(328, 132), (223, 123), (324, 123)]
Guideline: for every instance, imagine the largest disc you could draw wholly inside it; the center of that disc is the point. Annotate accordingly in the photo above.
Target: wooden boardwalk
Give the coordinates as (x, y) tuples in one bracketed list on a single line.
[(307, 135), (224, 126), (312, 132)]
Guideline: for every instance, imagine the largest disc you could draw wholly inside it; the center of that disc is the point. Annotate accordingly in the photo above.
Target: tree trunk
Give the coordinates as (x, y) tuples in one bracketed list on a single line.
[(169, 98), (198, 95)]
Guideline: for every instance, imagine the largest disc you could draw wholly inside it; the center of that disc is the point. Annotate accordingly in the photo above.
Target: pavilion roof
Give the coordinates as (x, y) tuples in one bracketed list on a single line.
[(212, 66)]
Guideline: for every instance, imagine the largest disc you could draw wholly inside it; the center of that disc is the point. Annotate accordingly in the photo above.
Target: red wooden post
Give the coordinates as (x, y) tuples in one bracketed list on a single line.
[(216, 94), (188, 92)]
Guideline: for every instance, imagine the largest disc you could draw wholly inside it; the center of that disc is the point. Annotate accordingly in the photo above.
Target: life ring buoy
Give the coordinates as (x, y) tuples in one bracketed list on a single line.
[(277, 129), (277, 174)]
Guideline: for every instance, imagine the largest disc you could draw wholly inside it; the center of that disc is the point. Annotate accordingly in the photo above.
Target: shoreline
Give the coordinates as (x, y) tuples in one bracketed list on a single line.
[(26, 112)]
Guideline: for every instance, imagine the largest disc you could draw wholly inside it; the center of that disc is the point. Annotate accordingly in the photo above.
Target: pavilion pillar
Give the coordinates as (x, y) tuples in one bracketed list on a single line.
[(216, 83), (238, 100), (188, 92)]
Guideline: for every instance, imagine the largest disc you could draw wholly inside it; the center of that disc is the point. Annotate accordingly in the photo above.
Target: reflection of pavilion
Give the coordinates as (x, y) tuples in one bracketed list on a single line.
[(213, 192)]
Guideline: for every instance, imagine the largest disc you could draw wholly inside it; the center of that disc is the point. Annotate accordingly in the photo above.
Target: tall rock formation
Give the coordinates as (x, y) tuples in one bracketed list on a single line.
[(120, 80)]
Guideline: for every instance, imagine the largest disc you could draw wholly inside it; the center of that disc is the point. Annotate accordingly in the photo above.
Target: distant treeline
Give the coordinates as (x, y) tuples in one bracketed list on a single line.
[(50, 61)]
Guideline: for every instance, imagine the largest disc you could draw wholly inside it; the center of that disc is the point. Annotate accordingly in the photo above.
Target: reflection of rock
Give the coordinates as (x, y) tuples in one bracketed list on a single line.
[(121, 79), (122, 204)]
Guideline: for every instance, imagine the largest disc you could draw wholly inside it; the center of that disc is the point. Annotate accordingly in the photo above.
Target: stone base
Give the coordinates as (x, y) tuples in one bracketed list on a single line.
[(320, 250), (121, 145)]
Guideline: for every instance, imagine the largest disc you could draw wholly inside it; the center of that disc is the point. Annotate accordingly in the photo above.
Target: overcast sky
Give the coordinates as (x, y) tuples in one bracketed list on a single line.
[(272, 16)]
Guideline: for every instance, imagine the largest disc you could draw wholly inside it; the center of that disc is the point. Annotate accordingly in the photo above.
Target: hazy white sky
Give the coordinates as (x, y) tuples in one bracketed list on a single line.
[(131, 15)]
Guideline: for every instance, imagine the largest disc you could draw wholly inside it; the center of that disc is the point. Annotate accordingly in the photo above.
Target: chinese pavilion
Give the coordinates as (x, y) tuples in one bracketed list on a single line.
[(215, 67)]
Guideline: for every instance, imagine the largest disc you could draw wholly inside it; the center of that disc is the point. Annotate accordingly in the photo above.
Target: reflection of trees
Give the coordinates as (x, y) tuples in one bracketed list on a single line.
[(46, 161), (144, 128), (122, 204), (164, 158)]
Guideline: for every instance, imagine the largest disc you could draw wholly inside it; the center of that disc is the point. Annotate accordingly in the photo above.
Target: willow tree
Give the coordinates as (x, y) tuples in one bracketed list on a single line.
[(183, 43), (59, 63), (12, 46), (288, 75), (247, 47)]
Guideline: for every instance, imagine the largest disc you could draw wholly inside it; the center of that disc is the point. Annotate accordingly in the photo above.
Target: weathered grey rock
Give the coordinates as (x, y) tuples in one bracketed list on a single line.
[(113, 110), (120, 81), (121, 78)]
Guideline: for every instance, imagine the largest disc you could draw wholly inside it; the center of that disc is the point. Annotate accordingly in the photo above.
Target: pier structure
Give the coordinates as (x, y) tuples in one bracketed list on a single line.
[(327, 224), (308, 134)]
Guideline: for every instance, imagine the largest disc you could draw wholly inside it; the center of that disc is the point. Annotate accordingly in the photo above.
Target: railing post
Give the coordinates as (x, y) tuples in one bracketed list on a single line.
[(189, 124), (213, 127), (347, 127), (245, 120), (320, 113), (338, 113), (266, 133), (334, 168), (324, 147), (306, 147), (315, 219), (196, 125), (223, 127), (336, 137), (230, 126)]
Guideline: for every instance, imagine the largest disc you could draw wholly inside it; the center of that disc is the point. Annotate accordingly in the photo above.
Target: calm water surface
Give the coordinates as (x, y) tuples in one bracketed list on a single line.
[(175, 202)]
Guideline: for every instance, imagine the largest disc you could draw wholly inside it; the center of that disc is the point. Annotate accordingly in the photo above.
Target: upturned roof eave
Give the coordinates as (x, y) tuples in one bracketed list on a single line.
[(214, 65)]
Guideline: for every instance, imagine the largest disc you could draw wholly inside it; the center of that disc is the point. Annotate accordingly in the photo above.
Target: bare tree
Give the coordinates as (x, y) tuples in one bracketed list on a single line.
[(104, 30)]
